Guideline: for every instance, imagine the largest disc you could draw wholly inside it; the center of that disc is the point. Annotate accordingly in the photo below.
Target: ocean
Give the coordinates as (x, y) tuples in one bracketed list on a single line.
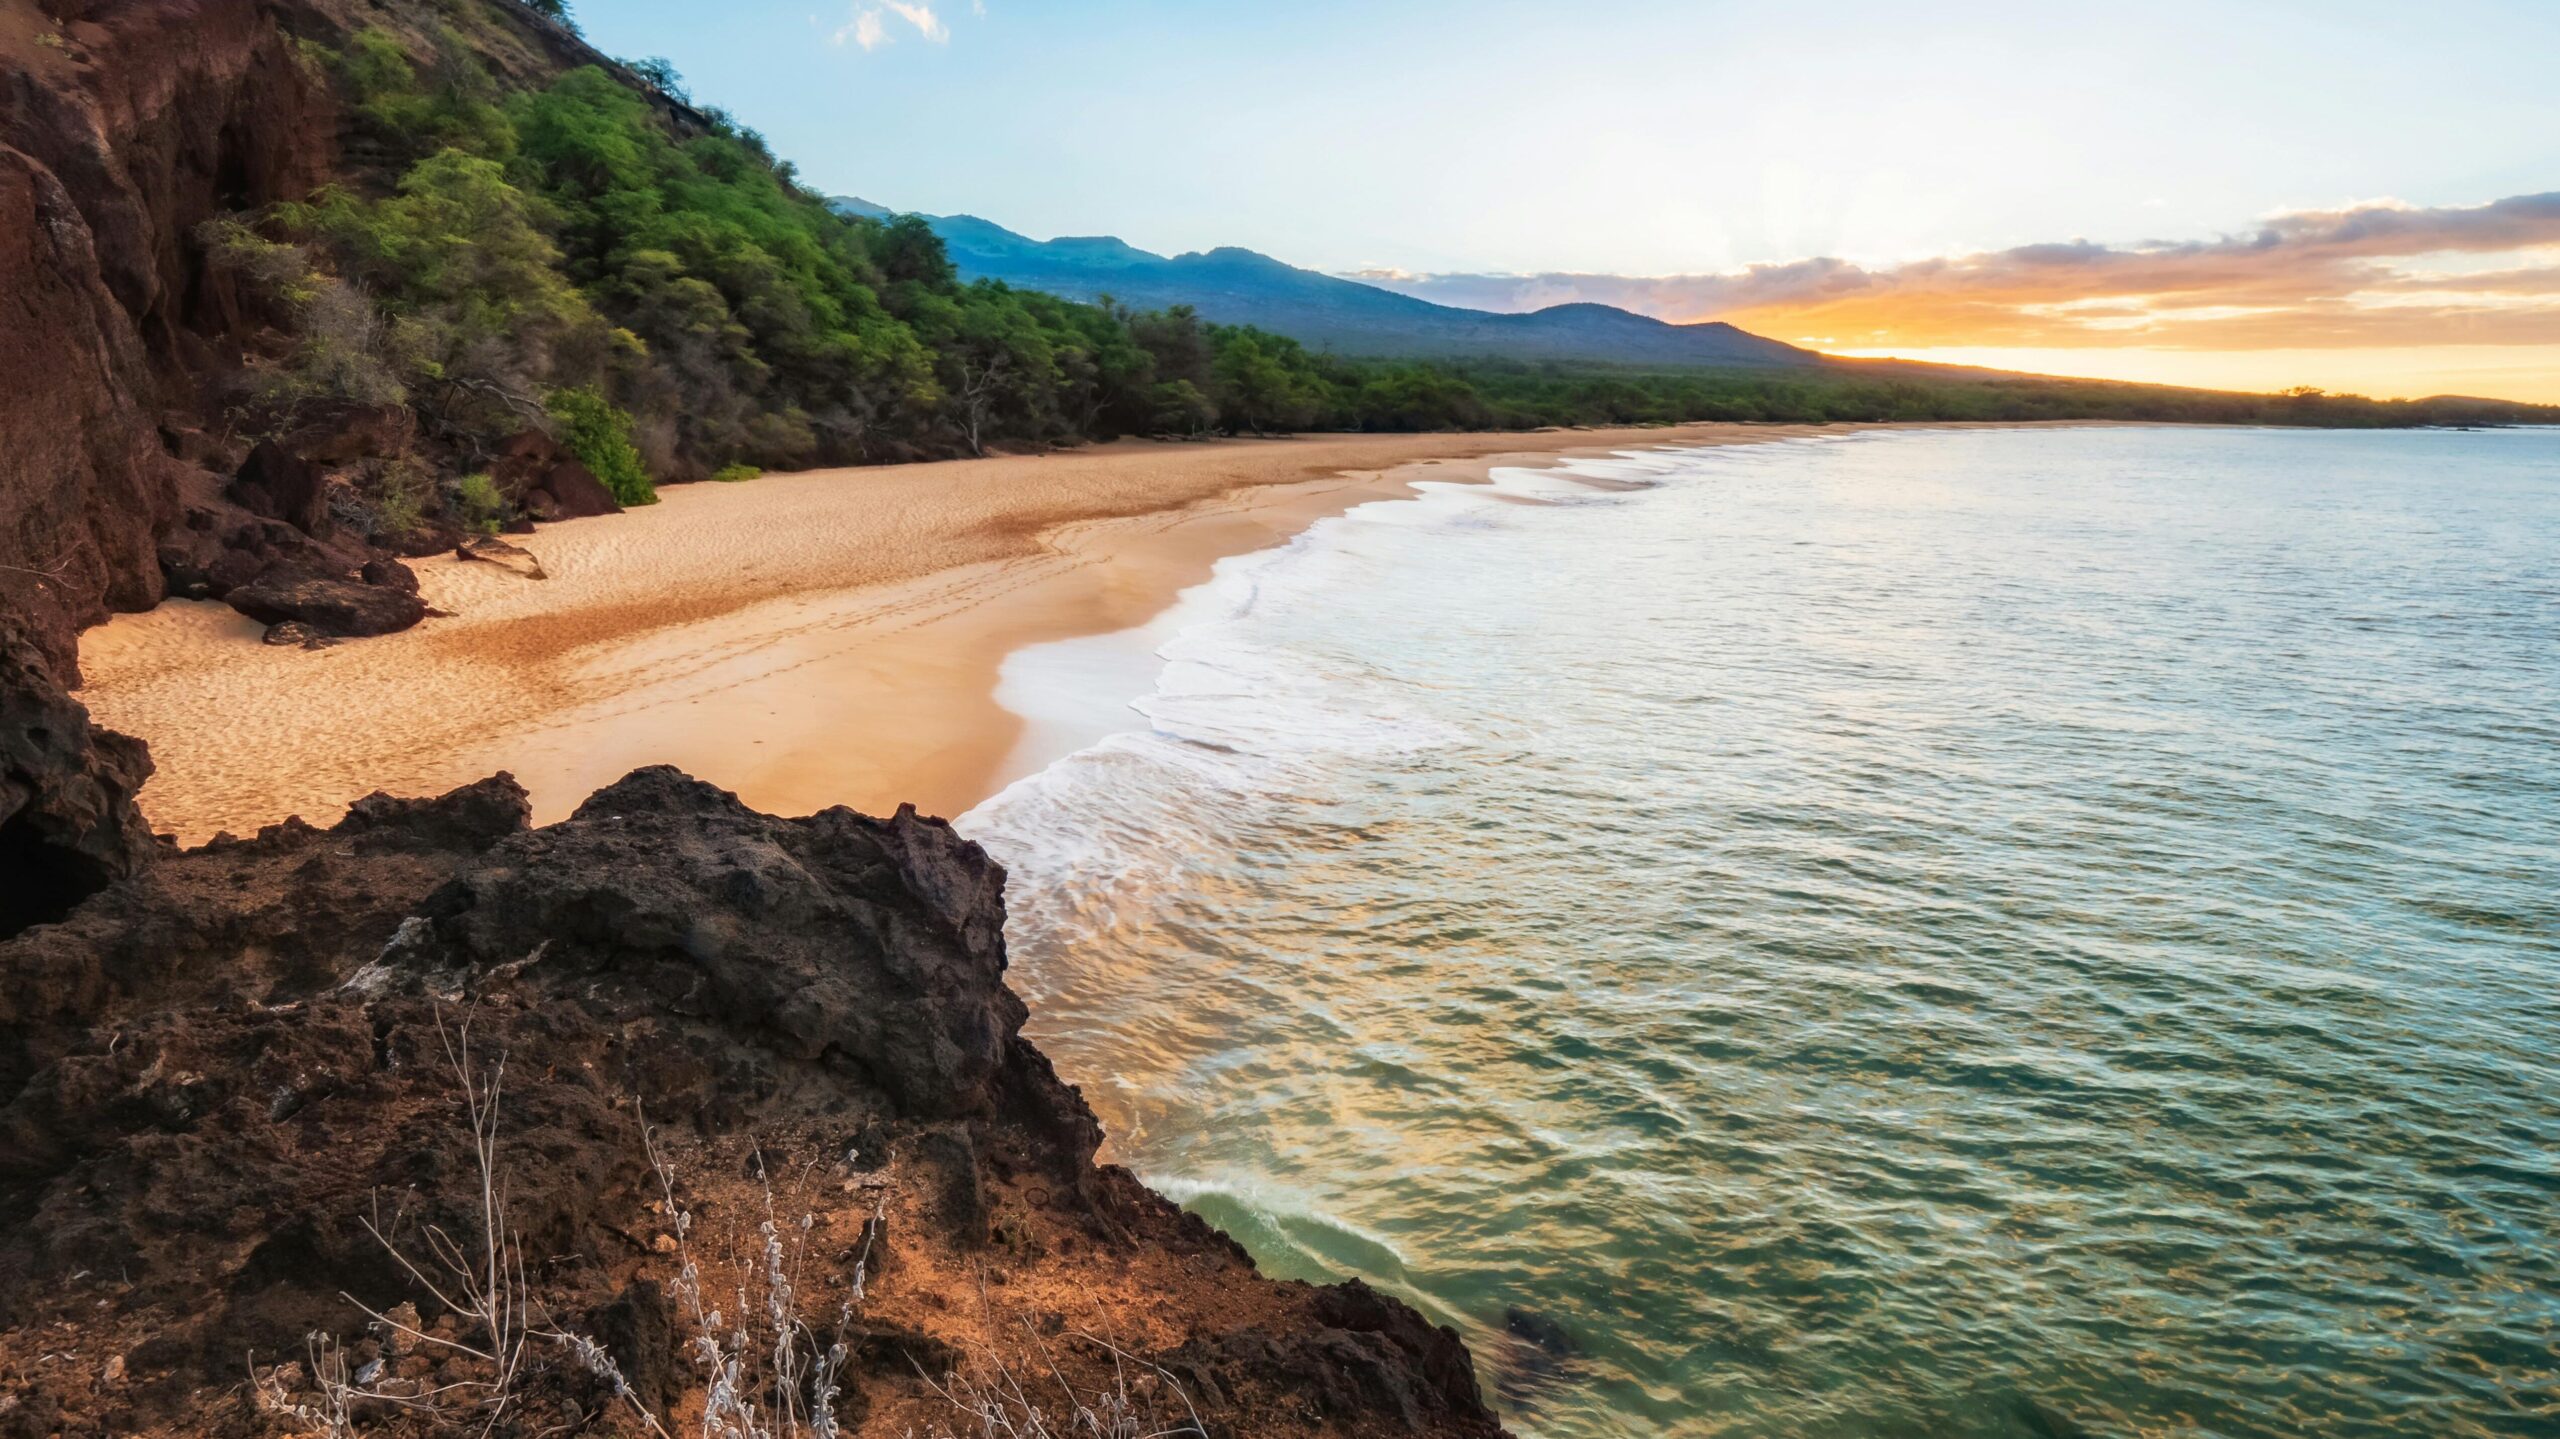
[(1923, 933)]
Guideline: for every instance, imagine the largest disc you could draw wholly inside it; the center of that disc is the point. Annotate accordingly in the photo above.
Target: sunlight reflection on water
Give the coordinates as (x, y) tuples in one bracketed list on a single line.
[(1946, 933)]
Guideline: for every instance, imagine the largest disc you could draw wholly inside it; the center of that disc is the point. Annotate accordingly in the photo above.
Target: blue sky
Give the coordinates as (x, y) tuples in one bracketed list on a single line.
[(1645, 137), (1642, 138)]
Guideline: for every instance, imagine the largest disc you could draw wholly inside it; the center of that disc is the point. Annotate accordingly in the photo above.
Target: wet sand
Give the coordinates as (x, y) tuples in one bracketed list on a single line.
[(807, 640)]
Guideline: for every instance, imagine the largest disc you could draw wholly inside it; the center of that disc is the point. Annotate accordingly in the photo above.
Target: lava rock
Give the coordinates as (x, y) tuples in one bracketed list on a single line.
[(844, 940), (390, 574), (351, 432), (634, 1330), (279, 484), (329, 605), (295, 632), (68, 822), (212, 1071), (546, 482), (217, 550), (489, 549), (468, 820)]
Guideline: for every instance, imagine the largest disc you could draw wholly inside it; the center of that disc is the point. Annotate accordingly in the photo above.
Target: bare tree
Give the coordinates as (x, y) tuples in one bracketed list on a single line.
[(479, 1277), (482, 1276), (978, 398)]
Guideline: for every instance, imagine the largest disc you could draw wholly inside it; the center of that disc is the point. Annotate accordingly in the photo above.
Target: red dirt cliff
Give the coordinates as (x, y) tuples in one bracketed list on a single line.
[(229, 1116)]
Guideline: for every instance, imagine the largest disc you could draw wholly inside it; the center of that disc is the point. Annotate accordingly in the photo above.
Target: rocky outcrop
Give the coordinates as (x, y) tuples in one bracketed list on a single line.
[(82, 487), (789, 930), (68, 822), (281, 482), (123, 128), (544, 481), (330, 605), (116, 140), (229, 1108)]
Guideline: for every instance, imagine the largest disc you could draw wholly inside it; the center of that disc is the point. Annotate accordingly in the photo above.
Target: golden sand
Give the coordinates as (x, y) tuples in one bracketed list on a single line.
[(805, 640)]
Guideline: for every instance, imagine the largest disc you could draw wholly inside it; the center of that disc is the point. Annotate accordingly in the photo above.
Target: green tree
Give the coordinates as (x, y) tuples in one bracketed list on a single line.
[(1178, 408), (1257, 388), (459, 259), (506, 242), (600, 436), (659, 74)]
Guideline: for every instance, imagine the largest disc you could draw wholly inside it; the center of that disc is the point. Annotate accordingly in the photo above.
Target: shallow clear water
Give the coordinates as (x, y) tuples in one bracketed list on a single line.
[(1946, 933)]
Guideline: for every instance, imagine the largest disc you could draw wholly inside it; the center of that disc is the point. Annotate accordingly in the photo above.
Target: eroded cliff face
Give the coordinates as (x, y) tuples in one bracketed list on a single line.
[(229, 1116), (126, 125), (68, 826), (122, 127)]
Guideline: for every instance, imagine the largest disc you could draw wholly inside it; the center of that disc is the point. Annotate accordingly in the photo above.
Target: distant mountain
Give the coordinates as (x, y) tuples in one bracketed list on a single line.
[(1241, 287)]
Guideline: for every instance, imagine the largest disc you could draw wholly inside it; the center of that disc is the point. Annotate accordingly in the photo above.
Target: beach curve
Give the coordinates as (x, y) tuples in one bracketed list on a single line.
[(807, 640)]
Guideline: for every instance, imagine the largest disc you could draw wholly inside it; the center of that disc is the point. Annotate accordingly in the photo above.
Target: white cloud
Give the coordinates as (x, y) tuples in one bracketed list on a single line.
[(927, 24), (2372, 273), (870, 28)]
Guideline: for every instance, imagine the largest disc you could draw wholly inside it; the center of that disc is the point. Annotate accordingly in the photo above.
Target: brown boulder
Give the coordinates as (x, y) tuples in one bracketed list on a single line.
[(571, 494), (167, 117), (212, 554), (280, 483), (348, 433), (68, 824), (489, 549), (435, 537), (328, 604), (232, 567), (390, 574), (546, 482)]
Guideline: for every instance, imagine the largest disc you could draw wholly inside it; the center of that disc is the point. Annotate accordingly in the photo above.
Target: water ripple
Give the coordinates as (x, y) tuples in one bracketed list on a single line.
[(1955, 934)]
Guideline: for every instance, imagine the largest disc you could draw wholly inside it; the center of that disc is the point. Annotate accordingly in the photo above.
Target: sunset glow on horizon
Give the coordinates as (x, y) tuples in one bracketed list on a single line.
[(2362, 197), (2386, 299), (2497, 372)]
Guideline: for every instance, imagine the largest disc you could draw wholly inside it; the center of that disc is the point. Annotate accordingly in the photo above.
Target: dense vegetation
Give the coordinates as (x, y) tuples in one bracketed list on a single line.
[(647, 282), (1462, 395)]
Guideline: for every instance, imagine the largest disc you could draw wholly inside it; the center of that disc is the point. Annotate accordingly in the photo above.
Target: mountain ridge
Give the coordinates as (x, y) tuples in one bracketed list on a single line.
[(1230, 284)]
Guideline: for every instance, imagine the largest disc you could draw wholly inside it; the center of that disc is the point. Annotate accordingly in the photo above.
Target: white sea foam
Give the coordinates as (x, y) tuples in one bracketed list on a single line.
[(1194, 702), (1850, 936)]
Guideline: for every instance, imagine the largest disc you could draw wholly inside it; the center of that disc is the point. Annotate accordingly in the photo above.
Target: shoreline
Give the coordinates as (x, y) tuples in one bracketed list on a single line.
[(806, 640)]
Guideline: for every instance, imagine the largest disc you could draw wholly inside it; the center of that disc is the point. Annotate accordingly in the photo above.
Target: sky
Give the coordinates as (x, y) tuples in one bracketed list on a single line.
[(2361, 196)]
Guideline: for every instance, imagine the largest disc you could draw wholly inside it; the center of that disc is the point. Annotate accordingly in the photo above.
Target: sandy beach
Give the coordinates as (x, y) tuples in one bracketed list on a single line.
[(807, 640)]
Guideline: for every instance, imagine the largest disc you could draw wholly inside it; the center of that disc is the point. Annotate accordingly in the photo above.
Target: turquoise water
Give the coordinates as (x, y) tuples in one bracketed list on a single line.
[(1959, 933)]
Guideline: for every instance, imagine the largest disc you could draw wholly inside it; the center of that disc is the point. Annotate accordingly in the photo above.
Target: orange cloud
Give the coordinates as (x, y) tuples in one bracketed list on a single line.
[(2371, 276)]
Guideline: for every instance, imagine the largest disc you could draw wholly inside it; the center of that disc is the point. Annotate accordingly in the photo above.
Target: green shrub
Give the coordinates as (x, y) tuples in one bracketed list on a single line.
[(399, 495), (413, 113), (477, 503), (1181, 409), (732, 474), (600, 436), (271, 268)]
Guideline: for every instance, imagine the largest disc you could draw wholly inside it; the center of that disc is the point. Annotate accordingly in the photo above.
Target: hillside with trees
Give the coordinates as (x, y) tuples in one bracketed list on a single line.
[(1237, 286), (587, 253)]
